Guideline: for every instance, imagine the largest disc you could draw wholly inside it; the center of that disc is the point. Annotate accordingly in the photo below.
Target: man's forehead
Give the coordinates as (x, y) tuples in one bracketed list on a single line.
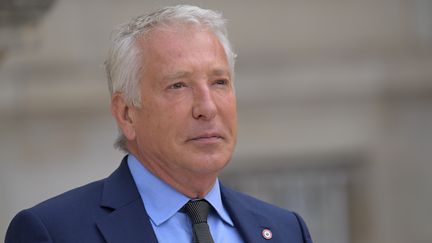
[(168, 44)]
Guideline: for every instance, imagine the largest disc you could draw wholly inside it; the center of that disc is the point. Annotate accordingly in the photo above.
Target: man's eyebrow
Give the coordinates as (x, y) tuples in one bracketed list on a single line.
[(184, 74)]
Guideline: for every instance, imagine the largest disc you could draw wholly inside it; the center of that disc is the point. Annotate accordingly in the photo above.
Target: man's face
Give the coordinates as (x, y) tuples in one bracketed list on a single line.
[(187, 121)]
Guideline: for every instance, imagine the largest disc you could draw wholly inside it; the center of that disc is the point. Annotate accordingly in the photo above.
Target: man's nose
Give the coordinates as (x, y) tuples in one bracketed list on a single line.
[(204, 106)]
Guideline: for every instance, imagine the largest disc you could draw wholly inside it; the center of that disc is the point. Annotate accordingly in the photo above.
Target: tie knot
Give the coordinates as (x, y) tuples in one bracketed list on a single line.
[(197, 210)]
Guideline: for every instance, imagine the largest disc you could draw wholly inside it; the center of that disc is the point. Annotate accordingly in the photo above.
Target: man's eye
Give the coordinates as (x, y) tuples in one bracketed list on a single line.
[(177, 85), (221, 82)]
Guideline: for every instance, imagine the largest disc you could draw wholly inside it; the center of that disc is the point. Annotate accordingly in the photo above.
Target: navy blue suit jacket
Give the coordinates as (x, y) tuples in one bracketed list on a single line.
[(111, 210)]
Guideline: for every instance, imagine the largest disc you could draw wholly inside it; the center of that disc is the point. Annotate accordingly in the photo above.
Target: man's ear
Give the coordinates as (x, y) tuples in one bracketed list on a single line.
[(122, 112)]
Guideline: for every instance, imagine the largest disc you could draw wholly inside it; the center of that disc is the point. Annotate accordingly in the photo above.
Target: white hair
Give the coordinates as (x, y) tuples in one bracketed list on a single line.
[(123, 65)]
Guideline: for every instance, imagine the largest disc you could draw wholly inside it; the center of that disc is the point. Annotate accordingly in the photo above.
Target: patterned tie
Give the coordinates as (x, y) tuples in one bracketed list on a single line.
[(198, 211)]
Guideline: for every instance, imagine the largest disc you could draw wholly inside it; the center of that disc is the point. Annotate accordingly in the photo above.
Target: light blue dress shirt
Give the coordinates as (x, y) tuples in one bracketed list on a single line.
[(162, 203)]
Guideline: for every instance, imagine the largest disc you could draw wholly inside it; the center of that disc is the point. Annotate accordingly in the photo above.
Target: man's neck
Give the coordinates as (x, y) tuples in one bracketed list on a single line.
[(190, 184)]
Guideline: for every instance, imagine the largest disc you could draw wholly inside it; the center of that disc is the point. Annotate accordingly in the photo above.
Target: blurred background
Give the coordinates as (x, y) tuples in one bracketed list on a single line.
[(334, 101)]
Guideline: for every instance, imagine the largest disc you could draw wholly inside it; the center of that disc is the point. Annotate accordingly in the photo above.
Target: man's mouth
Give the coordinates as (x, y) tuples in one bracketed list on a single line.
[(206, 138)]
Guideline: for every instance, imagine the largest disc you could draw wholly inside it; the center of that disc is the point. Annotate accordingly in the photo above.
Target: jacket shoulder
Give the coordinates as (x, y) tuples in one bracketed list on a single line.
[(78, 198), (70, 214)]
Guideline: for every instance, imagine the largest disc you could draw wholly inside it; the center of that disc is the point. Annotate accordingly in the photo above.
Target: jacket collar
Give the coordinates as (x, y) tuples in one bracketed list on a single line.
[(128, 221)]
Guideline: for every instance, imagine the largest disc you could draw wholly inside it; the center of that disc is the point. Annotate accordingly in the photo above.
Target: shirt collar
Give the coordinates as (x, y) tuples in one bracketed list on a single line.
[(161, 201)]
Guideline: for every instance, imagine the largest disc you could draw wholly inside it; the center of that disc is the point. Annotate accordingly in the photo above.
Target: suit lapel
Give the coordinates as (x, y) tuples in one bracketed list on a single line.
[(248, 221), (127, 224), (128, 220)]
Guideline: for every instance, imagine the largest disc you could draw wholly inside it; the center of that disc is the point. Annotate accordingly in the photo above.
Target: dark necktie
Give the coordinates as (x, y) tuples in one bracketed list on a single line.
[(198, 211)]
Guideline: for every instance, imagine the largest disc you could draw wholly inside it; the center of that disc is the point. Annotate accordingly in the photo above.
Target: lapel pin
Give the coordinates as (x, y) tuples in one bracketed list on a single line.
[(267, 234)]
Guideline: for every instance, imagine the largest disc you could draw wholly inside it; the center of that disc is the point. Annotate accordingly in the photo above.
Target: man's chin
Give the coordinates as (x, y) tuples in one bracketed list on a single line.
[(209, 164)]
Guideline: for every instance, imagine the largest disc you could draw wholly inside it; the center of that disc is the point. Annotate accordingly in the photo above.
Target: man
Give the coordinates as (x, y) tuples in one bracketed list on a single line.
[(171, 81)]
